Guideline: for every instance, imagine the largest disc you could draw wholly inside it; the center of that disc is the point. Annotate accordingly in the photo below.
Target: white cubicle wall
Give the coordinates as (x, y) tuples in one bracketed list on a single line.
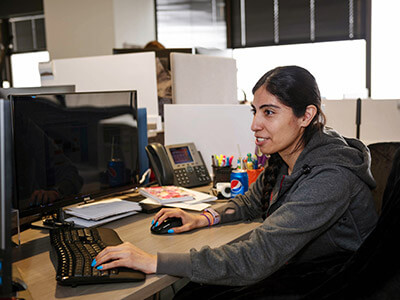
[(341, 116), (215, 129), (133, 71), (380, 121), (203, 79)]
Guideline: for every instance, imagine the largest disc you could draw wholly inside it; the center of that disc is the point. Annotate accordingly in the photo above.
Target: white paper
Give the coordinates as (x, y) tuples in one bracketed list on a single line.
[(199, 197), (90, 223), (183, 205), (102, 209)]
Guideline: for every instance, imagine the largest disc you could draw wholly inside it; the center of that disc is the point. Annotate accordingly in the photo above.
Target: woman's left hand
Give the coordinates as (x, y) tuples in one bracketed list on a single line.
[(126, 255)]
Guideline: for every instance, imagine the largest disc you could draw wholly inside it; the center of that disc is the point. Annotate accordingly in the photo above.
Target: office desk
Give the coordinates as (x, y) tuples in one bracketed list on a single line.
[(32, 258)]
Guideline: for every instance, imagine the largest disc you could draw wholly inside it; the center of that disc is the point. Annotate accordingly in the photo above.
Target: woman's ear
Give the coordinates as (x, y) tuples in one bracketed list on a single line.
[(309, 115)]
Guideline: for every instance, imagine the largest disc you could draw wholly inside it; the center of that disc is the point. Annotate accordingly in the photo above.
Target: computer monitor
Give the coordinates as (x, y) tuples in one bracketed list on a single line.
[(73, 147), (5, 93), (5, 199)]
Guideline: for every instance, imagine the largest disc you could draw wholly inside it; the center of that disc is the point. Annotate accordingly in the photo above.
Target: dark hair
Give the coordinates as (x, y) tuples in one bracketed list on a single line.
[(154, 45), (294, 87)]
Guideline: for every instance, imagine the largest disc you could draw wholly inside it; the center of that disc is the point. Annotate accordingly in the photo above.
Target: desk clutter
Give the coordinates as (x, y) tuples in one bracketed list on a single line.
[(229, 181), (101, 212)]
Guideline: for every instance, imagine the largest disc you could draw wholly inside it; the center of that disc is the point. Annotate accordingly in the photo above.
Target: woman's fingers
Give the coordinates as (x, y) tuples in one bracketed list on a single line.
[(108, 253), (183, 228), (166, 213), (125, 255)]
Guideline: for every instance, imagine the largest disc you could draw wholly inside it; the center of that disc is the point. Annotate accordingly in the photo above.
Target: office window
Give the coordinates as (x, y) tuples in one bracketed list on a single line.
[(385, 63), (278, 22), (25, 68), (339, 67), (28, 33), (182, 24)]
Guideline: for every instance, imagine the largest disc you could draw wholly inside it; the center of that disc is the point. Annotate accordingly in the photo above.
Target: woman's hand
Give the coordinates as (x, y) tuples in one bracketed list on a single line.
[(189, 221), (125, 255)]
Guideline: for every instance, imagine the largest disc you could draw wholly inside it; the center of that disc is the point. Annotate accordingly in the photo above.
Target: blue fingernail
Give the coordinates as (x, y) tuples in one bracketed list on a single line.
[(156, 224), (152, 222), (170, 231), (93, 262), (99, 267)]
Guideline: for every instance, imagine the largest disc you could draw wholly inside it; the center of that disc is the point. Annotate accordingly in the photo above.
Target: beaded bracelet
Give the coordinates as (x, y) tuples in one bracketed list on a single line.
[(209, 222)]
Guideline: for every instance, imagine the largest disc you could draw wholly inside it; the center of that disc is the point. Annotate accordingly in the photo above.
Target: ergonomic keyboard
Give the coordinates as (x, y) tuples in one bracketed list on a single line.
[(77, 247)]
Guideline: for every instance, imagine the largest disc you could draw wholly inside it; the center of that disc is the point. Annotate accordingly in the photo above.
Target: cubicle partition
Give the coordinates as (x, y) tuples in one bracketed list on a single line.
[(380, 121), (371, 121), (203, 79), (215, 129)]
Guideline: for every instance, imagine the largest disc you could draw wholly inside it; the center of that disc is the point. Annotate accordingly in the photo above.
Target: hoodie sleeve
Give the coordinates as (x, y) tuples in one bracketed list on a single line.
[(310, 209)]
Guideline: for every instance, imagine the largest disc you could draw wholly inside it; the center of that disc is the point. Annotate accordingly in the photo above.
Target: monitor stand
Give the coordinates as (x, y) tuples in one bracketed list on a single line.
[(55, 220), (19, 287)]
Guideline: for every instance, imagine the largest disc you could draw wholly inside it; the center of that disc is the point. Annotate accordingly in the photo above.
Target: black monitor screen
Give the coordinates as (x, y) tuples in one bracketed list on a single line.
[(73, 146)]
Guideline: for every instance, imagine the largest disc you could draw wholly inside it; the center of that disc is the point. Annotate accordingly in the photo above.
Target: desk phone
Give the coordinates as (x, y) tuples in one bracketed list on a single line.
[(179, 164)]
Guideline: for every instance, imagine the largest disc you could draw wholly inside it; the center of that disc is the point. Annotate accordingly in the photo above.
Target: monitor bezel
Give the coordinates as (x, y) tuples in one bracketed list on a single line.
[(5, 198)]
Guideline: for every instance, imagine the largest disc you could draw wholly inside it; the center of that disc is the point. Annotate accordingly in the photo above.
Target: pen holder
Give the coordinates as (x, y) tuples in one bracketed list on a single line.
[(253, 174), (221, 174)]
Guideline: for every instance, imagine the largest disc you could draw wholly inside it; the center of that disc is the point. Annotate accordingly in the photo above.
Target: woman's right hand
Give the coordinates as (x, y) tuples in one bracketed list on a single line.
[(189, 221)]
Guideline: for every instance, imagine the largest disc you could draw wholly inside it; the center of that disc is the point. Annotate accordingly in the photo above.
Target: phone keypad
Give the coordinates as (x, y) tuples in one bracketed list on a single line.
[(182, 176), (202, 174), (192, 176)]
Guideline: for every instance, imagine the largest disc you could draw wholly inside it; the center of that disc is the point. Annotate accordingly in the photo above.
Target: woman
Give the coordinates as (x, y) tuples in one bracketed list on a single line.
[(315, 195)]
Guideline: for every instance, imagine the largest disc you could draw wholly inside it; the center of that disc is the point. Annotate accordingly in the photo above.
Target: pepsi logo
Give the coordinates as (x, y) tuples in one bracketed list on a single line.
[(112, 172), (236, 185)]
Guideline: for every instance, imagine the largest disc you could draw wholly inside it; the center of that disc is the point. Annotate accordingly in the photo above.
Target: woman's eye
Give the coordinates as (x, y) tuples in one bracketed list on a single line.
[(268, 112), (253, 111)]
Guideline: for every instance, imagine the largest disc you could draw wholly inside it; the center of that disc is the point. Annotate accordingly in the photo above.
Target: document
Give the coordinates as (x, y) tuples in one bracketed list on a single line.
[(103, 209), (183, 205), (79, 222)]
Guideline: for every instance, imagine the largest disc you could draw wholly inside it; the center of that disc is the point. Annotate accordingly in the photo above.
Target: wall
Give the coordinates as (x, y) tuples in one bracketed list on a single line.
[(78, 28), (134, 22)]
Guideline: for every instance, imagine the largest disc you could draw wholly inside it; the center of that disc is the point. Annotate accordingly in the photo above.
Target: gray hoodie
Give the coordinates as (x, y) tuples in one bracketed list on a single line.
[(325, 206)]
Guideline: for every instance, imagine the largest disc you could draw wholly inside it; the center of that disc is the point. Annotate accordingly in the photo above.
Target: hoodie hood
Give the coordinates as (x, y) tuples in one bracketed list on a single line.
[(330, 148)]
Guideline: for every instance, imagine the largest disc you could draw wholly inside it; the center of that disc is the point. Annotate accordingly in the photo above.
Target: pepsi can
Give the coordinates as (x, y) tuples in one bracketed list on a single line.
[(116, 172), (239, 182)]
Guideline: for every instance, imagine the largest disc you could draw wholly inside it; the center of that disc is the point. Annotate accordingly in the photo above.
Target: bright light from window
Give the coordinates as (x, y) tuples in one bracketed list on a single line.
[(339, 67), (385, 48), (25, 68)]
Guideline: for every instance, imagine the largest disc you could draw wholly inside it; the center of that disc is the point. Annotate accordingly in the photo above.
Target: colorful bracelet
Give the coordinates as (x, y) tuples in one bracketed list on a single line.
[(216, 217), (209, 222)]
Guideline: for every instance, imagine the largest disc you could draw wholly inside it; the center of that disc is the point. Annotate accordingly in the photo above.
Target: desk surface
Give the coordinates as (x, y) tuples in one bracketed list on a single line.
[(32, 258)]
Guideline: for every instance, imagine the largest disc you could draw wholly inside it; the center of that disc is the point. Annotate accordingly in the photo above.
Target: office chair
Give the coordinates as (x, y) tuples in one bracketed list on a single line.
[(381, 160)]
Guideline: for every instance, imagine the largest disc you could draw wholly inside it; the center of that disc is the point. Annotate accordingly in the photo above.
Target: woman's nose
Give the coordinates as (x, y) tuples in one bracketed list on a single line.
[(255, 126)]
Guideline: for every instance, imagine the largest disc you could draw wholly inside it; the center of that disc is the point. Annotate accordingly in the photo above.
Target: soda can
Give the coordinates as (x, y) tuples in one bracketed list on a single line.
[(239, 182), (116, 172)]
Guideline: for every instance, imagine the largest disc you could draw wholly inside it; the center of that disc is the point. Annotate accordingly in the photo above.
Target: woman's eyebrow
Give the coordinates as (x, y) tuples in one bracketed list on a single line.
[(269, 106)]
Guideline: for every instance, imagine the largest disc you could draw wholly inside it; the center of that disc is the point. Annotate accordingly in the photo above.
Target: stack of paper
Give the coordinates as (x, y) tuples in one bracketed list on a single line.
[(100, 212), (180, 197)]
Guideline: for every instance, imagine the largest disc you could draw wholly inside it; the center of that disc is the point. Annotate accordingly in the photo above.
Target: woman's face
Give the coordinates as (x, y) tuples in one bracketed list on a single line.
[(275, 126)]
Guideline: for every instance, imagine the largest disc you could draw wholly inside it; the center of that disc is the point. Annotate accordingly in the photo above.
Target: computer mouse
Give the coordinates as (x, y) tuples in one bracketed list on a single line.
[(166, 225)]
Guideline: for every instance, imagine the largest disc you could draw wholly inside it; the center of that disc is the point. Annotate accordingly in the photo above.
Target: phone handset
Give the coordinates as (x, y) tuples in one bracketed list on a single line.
[(160, 163)]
